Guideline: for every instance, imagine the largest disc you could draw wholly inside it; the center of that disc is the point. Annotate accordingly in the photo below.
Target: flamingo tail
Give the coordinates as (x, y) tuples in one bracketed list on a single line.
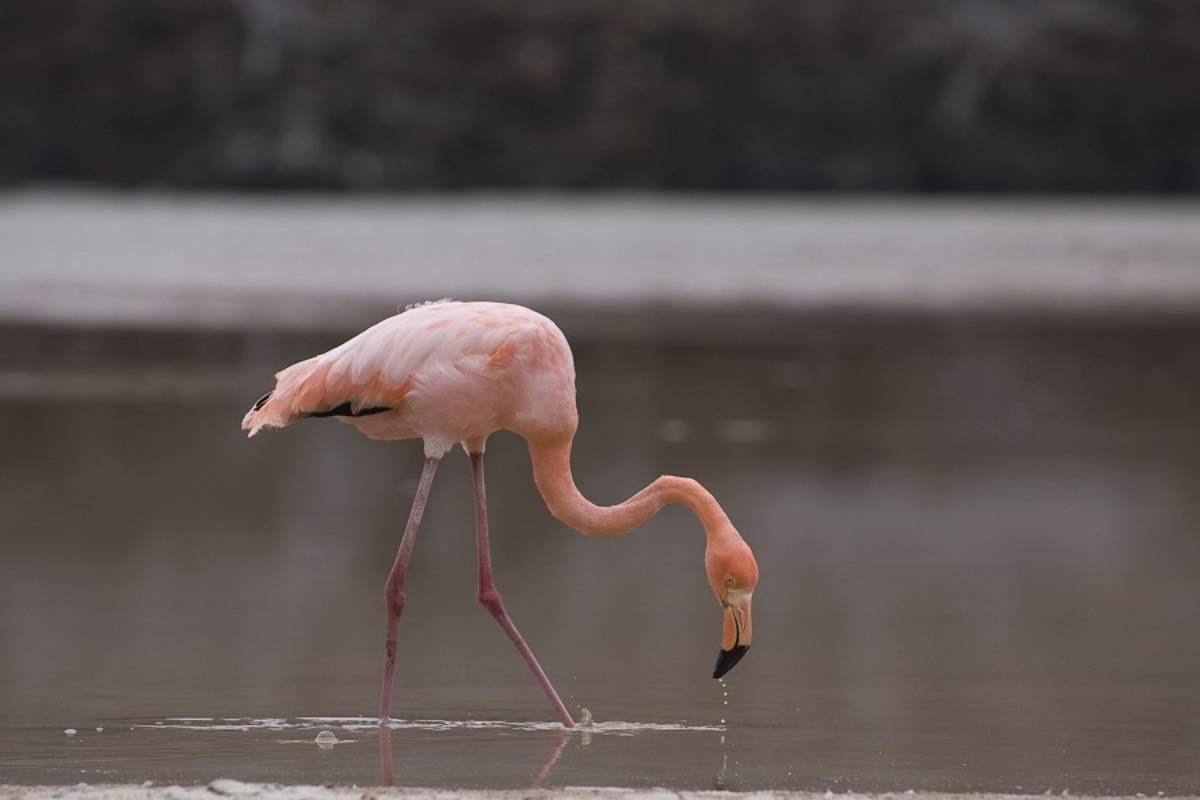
[(282, 405)]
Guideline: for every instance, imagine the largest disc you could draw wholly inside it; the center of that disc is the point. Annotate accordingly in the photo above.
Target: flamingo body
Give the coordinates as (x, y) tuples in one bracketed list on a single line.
[(444, 372)]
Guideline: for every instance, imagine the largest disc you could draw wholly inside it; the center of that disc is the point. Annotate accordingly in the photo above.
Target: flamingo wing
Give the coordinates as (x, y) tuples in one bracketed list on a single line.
[(374, 371)]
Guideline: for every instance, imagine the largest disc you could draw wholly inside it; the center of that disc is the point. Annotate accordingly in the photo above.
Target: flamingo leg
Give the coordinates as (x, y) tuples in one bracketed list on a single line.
[(393, 594), (489, 596)]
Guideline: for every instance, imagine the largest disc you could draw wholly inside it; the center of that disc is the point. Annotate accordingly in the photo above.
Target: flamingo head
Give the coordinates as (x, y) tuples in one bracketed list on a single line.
[(732, 574)]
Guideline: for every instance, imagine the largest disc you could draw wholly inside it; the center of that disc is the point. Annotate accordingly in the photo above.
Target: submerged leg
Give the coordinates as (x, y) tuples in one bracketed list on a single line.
[(489, 597), (393, 594), (387, 769)]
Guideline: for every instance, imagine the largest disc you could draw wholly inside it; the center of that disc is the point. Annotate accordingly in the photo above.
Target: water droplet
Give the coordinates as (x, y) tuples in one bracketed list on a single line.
[(326, 740), (100, 729), (70, 731)]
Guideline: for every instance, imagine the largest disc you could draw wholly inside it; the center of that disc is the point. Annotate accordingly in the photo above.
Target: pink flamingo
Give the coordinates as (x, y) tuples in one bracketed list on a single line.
[(450, 372)]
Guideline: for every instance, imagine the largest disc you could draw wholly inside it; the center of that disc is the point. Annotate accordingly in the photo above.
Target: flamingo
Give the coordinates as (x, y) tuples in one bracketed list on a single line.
[(454, 373)]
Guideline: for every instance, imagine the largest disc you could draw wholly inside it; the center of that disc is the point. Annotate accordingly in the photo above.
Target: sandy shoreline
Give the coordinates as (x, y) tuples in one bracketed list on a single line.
[(322, 262), (270, 791)]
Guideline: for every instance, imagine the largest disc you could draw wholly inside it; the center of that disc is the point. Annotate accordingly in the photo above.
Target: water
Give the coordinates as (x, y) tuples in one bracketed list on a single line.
[(978, 542)]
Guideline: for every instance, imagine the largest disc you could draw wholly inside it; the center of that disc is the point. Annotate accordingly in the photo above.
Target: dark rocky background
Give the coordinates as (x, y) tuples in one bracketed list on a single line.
[(924, 95)]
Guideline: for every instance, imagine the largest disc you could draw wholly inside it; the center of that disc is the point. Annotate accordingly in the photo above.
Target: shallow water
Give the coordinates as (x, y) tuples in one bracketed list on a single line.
[(979, 546)]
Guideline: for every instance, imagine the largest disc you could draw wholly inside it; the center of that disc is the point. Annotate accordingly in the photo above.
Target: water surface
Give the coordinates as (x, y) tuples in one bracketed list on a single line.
[(978, 541)]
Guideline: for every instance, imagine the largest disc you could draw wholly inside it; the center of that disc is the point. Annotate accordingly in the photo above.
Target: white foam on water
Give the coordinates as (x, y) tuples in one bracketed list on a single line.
[(326, 743), (245, 724), (223, 724)]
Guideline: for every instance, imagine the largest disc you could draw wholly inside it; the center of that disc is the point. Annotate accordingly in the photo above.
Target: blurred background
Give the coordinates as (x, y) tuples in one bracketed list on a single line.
[(941, 95), (912, 288)]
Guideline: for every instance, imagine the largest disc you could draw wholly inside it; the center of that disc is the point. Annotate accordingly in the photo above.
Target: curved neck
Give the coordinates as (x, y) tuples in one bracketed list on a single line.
[(552, 474)]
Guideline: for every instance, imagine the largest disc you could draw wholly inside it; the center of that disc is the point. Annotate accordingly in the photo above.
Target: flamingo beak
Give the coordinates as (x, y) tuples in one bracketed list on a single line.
[(735, 640)]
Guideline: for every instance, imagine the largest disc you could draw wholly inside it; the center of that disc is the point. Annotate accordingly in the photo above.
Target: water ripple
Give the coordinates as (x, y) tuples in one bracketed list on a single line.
[(210, 724)]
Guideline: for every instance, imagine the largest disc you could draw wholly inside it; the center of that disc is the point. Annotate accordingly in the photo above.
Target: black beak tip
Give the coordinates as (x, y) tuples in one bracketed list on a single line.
[(726, 659)]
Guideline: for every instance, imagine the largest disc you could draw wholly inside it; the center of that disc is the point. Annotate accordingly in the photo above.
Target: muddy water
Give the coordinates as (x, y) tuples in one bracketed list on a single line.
[(979, 544)]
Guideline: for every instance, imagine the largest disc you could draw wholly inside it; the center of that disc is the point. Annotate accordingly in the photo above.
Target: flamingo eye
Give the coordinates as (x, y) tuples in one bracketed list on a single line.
[(729, 581)]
